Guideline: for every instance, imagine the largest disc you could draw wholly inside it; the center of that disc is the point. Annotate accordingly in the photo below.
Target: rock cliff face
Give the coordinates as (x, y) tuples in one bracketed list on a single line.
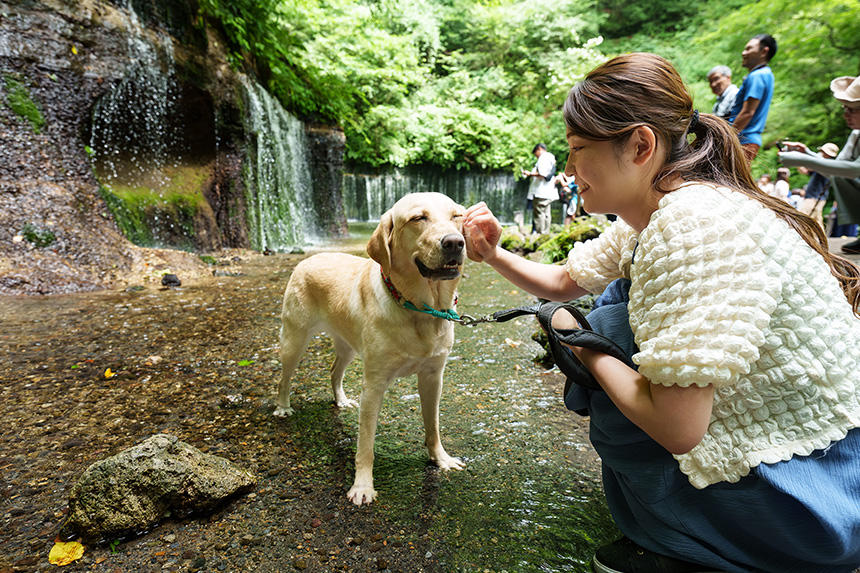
[(98, 160)]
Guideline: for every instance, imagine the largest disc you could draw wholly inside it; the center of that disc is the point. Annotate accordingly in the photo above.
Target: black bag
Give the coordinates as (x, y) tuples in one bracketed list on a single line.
[(585, 337)]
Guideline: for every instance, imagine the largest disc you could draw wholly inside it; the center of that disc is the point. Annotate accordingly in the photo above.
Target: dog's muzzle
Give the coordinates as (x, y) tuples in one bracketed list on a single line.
[(452, 247)]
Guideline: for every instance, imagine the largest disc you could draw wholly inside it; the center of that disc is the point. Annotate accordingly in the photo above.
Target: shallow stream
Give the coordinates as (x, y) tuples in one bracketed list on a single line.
[(201, 363)]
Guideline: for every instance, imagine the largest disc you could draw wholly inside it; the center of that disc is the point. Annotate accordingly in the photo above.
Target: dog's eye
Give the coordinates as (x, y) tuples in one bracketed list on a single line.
[(417, 218), (457, 216)]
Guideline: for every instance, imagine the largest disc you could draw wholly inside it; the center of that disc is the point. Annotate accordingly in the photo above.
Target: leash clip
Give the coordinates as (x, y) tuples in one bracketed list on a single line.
[(468, 320)]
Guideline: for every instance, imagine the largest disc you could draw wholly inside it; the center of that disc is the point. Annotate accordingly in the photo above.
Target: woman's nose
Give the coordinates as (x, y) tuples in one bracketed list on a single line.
[(569, 167)]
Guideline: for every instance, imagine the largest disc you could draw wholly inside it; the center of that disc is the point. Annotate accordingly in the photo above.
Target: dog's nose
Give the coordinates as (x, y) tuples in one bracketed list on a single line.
[(453, 243)]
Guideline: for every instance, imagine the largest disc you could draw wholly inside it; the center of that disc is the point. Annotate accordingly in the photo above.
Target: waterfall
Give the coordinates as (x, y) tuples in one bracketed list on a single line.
[(277, 174), (133, 131), (367, 196)]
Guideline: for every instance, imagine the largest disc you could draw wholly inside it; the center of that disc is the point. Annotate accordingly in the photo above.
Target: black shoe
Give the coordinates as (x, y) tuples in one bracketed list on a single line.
[(852, 248), (624, 556)]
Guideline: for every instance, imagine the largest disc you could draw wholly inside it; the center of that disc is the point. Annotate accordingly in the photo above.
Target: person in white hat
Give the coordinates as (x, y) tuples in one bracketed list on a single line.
[(844, 170)]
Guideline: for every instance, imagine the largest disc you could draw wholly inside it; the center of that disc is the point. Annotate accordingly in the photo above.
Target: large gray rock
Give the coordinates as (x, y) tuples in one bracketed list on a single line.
[(132, 491)]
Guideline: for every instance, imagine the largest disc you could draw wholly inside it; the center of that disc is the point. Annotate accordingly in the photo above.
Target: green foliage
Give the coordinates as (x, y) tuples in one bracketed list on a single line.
[(554, 246), (19, 101), (453, 83), (476, 83), (142, 213), (38, 236), (625, 18), (817, 40), (581, 229), (515, 241)]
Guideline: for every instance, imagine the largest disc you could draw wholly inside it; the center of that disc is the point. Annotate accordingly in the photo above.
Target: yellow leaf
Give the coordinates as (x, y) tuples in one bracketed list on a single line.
[(64, 553), (75, 50), (109, 373)]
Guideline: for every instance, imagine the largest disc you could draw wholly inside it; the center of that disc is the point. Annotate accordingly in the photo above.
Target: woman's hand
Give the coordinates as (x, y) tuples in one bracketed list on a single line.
[(482, 232)]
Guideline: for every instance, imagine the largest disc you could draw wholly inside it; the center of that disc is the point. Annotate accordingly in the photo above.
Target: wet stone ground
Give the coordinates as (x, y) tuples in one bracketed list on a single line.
[(201, 363)]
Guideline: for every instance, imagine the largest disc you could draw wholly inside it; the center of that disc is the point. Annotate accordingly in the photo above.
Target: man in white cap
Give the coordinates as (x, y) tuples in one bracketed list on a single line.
[(844, 170)]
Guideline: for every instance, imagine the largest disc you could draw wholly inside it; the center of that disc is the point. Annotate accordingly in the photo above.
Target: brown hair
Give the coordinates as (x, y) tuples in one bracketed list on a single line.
[(642, 89)]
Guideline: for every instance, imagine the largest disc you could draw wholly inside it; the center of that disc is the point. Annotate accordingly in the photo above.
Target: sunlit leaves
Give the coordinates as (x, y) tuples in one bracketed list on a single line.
[(456, 83)]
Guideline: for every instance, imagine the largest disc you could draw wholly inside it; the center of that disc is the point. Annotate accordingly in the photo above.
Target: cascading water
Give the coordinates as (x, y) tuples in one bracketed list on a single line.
[(136, 145), (277, 174), (367, 196), (132, 125)]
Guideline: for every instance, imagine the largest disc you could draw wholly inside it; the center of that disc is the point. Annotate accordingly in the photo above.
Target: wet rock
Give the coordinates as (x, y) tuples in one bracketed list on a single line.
[(170, 280), (135, 489)]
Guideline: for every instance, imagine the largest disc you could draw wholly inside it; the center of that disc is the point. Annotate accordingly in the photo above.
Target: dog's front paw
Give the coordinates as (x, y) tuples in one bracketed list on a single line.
[(282, 412), (346, 403), (361, 494), (446, 462)]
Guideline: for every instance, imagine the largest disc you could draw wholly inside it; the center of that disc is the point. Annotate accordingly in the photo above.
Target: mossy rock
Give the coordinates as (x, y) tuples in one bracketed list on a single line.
[(159, 217), (38, 236), (21, 103), (556, 247)]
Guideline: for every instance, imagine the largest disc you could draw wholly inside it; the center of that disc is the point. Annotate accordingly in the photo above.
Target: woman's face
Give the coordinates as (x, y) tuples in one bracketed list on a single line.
[(604, 173)]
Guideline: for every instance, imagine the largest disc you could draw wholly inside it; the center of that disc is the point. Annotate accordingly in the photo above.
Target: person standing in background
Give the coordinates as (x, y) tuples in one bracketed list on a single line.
[(844, 171), (818, 186), (720, 79), (752, 103), (545, 193), (765, 184), (781, 188)]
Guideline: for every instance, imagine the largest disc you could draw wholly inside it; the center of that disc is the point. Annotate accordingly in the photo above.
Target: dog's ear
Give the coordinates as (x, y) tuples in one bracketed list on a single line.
[(379, 247)]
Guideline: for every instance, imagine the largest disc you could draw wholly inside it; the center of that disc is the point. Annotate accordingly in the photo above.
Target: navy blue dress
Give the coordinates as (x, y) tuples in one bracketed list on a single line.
[(796, 516)]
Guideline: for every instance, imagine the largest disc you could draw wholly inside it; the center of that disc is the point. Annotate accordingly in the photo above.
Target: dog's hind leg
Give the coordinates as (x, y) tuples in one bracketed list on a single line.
[(344, 354), (430, 390), (294, 340)]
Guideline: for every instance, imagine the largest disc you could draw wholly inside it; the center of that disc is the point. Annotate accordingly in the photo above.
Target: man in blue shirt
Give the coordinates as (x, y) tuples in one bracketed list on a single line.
[(753, 100)]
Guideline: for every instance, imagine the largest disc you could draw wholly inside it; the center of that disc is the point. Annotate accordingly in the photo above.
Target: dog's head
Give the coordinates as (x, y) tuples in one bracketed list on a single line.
[(423, 233)]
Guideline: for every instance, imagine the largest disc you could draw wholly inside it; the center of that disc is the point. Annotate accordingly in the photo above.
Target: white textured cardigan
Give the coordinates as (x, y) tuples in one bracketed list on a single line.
[(725, 293)]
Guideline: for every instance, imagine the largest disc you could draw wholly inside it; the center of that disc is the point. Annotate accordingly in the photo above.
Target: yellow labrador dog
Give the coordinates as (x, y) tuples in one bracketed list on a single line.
[(376, 307)]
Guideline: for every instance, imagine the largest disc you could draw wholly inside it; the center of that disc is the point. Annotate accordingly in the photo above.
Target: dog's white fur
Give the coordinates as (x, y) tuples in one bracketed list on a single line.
[(346, 296)]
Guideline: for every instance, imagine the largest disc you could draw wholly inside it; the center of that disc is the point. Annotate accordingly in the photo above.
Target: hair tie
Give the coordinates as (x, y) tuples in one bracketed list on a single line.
[(694, 122)]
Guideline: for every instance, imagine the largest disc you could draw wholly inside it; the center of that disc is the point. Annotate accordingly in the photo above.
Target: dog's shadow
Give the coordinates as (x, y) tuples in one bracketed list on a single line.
[(322, 440)]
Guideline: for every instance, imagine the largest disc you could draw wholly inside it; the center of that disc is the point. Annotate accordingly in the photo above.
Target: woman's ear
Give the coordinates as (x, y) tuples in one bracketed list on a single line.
[(643, 144)]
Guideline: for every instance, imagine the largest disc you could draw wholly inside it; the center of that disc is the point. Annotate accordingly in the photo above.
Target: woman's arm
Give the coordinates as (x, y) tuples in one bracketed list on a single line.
[(675, 417), (745, 114), (483, 231), (551, 282)]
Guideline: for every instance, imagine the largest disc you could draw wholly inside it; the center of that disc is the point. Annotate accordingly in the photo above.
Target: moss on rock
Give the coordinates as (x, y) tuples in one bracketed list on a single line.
[(21, 103), (153, 216)]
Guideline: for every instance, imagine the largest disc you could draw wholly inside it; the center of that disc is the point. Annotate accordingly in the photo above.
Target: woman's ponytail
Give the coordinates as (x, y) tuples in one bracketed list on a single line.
[(645, 89)]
